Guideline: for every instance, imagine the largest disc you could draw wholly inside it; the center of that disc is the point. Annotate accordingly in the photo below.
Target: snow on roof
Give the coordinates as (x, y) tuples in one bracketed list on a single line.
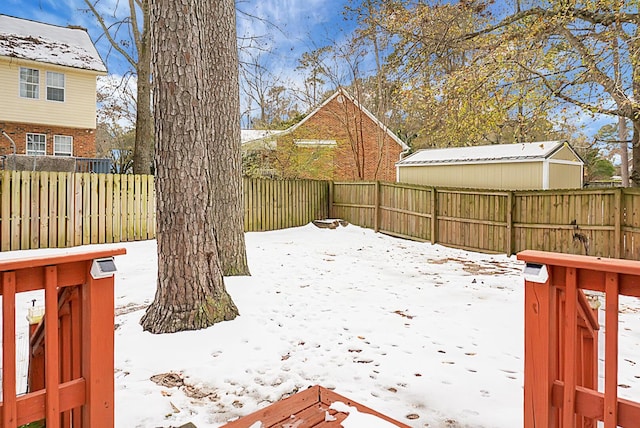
[(492, 153), (247, 135), (70, 47)]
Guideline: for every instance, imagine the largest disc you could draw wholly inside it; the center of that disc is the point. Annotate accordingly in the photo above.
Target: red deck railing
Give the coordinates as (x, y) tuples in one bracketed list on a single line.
[(561, 342), (71, 352)]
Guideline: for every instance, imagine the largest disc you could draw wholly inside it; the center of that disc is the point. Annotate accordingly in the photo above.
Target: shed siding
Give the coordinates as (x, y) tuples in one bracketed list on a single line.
[(564, 176), (77, 111), (503, 176), (565, 153)]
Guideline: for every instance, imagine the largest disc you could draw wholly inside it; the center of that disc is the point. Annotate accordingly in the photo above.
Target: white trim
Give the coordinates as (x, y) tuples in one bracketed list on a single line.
[(315, 143), (65, 154), (545, 174), (26, 150), (564, 162), (63, 87), (37, 97), (470, 162)]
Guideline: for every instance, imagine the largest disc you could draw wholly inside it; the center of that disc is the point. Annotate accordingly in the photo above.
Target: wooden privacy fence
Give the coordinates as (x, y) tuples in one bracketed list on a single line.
[(51, 209), (601, 222), (63, 209), (278, 204), (59, 209)]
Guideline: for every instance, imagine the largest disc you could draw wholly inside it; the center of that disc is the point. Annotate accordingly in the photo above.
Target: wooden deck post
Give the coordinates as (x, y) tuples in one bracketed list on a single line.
[(97, 350), (9, 417), (539, 350)]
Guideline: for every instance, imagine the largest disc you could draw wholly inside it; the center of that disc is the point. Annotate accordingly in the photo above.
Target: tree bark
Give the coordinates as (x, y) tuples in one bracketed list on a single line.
[(143, 149), (635, 151), (226, 177), (196, 115)]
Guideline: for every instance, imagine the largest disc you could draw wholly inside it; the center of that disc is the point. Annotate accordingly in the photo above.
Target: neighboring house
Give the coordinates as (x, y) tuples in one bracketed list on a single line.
[(339, 140), (521, 166), (48, 86)]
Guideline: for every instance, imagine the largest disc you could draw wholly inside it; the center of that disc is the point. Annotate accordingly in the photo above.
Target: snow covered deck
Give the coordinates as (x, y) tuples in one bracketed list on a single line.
[(315, 407)]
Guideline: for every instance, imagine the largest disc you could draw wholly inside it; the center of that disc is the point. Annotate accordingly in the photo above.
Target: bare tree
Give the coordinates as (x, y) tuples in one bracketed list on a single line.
[(196, 100), (129, 36)]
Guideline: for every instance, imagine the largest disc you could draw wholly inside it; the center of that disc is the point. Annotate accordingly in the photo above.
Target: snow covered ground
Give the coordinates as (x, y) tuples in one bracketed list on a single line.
[(429, 335)]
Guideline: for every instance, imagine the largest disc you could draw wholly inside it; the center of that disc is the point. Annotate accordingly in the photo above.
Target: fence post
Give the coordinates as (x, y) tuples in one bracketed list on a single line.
[(434, 215), (509, 220), (376, 210), (618, 213), (330, 200)]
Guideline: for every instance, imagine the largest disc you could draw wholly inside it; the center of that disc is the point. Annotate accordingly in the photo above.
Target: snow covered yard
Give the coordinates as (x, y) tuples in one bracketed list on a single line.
[(428, 335), (409, 329)]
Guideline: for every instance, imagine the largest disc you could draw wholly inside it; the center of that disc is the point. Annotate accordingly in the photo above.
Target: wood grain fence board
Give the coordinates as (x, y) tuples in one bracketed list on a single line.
[(631, 224), (53, 210), (102, 208), (94, 200), (61, 211), (152, 207), (78, 215), (131, 236), (15, 210), (70, 208), (25, 208), (117, 208), (44, 210), (35, 211), (108, 221), (137, 207), (5, 211), (86, 209), (144, 209)]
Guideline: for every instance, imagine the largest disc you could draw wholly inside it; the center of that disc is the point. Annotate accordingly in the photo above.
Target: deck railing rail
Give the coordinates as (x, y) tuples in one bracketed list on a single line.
[(561, 340), (71, 380)]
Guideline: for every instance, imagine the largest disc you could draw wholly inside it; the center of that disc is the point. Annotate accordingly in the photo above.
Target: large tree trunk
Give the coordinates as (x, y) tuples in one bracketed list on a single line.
[(226, 177), (143, 149), (196, 114), (624, 150)]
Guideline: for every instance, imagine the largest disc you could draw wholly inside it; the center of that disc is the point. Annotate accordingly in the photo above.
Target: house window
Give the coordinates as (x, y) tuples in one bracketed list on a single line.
[(36, 144), (29, 83), (55, 86), (62, 145)]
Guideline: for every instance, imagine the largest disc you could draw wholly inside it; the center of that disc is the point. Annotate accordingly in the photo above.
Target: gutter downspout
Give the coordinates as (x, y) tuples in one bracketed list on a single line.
[(13, 146)]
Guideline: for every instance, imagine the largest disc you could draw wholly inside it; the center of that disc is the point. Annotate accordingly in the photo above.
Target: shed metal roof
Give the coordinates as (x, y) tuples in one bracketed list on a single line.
[(480, 154), (36, 41)]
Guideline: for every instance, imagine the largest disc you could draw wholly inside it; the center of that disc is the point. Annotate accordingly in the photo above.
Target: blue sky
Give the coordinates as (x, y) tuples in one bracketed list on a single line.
[(288, 27), (284, 28)]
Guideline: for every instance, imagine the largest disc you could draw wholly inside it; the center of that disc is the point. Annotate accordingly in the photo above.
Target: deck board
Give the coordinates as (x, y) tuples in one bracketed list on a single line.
[(305, 409)]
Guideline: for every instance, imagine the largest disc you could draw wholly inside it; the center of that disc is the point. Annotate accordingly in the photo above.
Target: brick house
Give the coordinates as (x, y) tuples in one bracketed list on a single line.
[(339, 140), (48, 85)]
